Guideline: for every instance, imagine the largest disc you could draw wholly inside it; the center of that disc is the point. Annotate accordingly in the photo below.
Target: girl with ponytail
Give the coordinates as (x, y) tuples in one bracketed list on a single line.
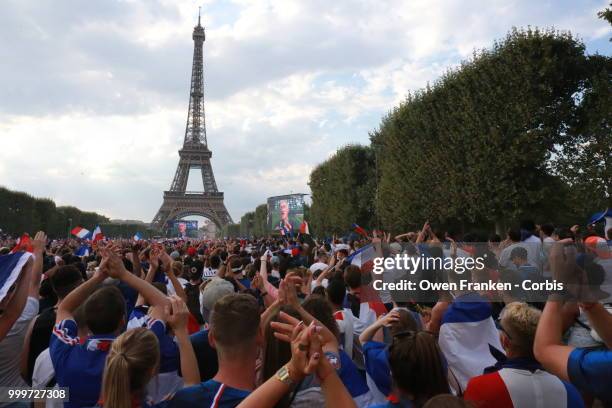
[(132, 361)]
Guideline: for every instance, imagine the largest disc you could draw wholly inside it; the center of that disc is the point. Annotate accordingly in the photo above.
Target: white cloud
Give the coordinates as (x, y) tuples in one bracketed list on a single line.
[(94, 101)]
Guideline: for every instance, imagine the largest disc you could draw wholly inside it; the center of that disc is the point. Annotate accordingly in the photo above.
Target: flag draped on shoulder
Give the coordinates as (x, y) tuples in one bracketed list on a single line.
[(24, 243), (11, 267), (467, 334), (80, 232)]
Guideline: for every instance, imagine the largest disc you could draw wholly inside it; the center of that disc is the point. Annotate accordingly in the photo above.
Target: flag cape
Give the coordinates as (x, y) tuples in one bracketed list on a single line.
[(11, 267), (80, 232), (466, 332), (24, 243), (515, 387)]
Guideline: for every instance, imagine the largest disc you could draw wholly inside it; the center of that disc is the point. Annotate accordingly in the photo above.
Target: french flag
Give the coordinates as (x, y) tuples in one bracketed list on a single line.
[(80, 232), (360, 230), (97, 234), (466, 334), (515, 386), (137, 236), (304, 230), (24, 243), (11, 266), (363, 258), (82, 251)]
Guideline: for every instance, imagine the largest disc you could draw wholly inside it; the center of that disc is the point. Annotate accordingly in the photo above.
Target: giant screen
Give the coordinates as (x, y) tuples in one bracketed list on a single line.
[(285, 212)]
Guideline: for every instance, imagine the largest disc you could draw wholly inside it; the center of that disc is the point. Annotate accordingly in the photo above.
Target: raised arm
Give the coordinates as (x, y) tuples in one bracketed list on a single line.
[(16, 304), (79, 295), (113, 266), (369, 333), (548, 348), (178, 288), (40, 240), (600, 320), (153, 266), (177, 316)]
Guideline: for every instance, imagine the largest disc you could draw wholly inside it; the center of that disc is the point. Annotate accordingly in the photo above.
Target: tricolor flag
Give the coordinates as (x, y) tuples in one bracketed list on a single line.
[(466, 334), (137, 236), (11, 267), (97, 234), (80, 232), (24, 243), (304, 228), (363, 258), (360, 230), (82, 251)]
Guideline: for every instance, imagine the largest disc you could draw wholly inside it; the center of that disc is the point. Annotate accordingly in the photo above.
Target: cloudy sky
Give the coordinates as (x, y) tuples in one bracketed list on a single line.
[(93, 95)]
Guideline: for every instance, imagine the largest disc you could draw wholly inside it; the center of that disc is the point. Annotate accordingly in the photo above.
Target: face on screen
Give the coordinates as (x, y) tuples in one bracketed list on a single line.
[(284, 210)]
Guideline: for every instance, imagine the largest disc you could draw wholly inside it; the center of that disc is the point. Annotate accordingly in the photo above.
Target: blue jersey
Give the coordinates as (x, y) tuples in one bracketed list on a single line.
[(590, 370), (205, 354), (354, 382), (376, 356), (211, 394), (80, 366)]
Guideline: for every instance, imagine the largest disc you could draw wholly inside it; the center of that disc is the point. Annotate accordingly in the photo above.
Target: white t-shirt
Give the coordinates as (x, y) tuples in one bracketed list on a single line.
[(12, 344), (41, 376)]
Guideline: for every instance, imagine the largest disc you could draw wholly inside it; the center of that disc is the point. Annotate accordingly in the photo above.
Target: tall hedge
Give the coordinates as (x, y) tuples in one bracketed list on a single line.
[(343, 190), (20, 212)]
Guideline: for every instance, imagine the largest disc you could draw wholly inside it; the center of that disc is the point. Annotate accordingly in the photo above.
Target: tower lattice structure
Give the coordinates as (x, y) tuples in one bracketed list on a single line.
[(178, 202)]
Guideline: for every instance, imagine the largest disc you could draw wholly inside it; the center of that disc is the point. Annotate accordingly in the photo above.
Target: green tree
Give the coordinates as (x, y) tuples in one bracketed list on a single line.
[(343, 189), (476, 145)]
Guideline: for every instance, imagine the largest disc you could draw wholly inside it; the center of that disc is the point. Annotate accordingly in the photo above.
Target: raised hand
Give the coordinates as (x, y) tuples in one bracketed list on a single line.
[(177, 314), (306, 351), (111, 264), (389, 319), (154, 255), (283, 330), (39, 243)]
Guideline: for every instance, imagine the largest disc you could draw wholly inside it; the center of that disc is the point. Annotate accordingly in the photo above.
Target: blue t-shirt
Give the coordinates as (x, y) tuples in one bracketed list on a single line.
[(354, 382), (80, 366), (205, 354), (376, 356), (245, 282), (208, 394), (130, 295), (590, 370)]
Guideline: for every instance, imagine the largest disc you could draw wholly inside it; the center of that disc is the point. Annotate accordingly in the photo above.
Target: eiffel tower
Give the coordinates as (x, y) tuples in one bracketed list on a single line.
[(179, 203)]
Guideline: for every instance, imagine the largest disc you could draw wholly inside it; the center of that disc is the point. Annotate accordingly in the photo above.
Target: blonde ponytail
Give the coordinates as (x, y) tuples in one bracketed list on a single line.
[(130, 364)]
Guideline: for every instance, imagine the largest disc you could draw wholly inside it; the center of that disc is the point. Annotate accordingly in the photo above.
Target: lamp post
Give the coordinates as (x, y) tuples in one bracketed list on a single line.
[(69, 226)]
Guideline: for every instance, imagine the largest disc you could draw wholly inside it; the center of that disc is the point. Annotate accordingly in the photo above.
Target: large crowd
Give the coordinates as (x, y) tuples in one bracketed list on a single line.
[(294, 322)]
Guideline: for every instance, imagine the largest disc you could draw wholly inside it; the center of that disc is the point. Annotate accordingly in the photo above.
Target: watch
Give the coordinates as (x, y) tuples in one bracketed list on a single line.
[(283, 376)]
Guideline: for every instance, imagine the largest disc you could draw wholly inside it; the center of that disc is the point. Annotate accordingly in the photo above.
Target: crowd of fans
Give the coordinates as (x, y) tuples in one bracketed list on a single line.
[(280, 322)]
